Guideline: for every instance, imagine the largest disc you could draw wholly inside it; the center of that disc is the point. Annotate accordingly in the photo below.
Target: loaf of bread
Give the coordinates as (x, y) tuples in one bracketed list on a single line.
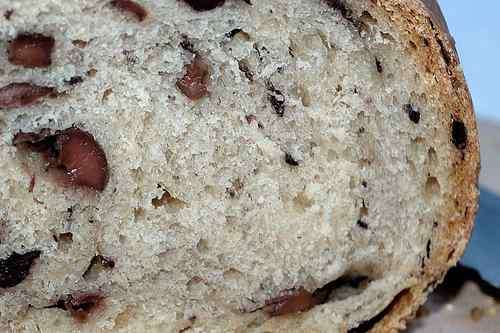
[(229, 165)]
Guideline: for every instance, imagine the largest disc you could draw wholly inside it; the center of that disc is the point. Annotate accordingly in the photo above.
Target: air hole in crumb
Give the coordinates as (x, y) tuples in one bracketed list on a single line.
[(168, 200), (16, 268), (202, 245), (342, 288), (81, 44), (122, 239), (432, 189), (233, 32), (413, 113), (97, 265), (277, 100), (368, 324), (238, 33), (289, 159), (362, 224), (378, 64), (342, 8), (244, 67), (428, 249), (459, 134), (187, 44), (8, 14), (74, 80), (203, 5)]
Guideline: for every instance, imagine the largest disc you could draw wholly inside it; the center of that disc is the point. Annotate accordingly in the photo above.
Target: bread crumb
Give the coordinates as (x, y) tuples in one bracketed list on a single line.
[(491, 311)]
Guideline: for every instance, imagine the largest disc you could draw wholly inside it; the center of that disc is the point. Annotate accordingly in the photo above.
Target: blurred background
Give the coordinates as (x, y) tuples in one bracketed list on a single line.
[(469, 299)]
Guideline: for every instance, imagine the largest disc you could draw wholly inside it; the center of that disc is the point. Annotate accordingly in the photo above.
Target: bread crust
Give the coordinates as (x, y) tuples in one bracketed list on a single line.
[(454, 229)]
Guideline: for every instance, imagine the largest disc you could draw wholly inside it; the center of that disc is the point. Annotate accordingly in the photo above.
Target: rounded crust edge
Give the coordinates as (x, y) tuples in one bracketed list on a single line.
[(454, 229)]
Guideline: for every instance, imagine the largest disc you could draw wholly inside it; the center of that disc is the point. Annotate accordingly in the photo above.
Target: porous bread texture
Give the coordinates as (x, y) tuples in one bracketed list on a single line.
[(247, 224)]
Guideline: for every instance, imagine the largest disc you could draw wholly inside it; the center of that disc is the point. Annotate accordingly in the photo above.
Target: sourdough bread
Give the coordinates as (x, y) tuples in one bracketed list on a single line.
[(266, 166)]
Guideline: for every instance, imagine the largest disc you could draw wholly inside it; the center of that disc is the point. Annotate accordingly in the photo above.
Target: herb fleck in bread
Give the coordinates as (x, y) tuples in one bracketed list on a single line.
[(266, 166)]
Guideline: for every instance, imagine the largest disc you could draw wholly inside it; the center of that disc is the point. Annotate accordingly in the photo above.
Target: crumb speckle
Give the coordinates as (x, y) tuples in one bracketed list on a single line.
[(8, 14), (80, 43)]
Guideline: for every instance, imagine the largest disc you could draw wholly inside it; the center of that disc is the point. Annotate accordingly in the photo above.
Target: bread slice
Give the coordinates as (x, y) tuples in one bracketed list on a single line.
[(229, 166)]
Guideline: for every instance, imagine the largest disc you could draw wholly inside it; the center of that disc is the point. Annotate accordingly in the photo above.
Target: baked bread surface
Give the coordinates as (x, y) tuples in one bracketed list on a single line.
[(331, 154)]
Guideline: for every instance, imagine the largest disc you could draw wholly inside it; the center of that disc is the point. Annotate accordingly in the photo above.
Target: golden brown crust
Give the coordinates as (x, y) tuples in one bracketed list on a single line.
[(454, 229)]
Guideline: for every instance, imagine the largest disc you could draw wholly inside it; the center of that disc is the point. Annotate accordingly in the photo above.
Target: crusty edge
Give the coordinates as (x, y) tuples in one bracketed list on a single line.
[(454, 229)]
